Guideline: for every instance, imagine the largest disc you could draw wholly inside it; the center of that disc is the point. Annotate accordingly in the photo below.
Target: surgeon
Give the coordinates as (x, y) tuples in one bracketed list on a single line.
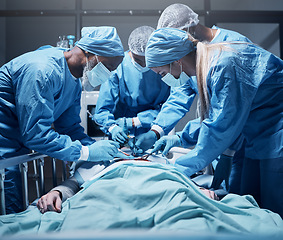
[(43, 87), (130, 101), (183, 92), (240, 87)]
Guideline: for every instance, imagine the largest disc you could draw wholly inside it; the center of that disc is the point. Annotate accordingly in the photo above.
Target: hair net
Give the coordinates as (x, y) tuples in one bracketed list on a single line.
[(178, 16), (138, 39), (167, 45), (102, 41)]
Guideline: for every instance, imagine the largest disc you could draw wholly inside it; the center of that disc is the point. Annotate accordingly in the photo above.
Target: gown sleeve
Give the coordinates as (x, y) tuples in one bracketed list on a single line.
[(189, 135), (230, 104), (176, 106), (148, 116), (69, 123), (35, 108), (106, 103)]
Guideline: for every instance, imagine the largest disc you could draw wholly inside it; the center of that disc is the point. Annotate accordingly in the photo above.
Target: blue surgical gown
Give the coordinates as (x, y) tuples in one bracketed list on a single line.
[(36, 90), (181, 98), (246, 96), (130, 93)]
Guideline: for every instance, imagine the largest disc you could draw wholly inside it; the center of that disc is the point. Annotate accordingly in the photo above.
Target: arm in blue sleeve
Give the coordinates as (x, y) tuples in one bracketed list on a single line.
[(189, 135), (148, 116), (231, 99), (176, 106), (69, 123), (106, 103), (35, 107)]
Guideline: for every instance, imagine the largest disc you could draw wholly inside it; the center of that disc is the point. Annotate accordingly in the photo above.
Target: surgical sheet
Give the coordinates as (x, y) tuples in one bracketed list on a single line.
[(147, 195)]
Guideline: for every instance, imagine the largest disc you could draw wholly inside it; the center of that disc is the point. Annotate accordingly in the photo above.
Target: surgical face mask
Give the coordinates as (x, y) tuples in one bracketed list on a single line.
[(171, 81), (85, 83), (139, 67), (98, 75)]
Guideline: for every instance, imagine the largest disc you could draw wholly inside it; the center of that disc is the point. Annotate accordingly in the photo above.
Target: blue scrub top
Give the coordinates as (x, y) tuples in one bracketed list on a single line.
[(36, 90), (130, 93), (181, 98), (246, 96)]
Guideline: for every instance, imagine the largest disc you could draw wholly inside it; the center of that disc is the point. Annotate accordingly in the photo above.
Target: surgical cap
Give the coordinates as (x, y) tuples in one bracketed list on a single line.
[(138, 39), (167, 45), (178, 16), (101, 41)]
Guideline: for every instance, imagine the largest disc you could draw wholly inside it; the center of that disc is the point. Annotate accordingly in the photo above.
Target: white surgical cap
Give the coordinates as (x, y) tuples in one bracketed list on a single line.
[(138, 39), (178, 16), (102, 41)]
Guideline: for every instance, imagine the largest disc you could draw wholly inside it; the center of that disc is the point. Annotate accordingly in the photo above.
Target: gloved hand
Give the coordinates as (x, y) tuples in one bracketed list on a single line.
[(125, 123), (222, 172), (105, 150), (118, 135), (166, 143), (144, 142)]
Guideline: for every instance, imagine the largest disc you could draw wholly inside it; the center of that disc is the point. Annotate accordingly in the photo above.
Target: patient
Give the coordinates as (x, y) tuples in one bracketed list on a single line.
[(52, 201), (140, 195)]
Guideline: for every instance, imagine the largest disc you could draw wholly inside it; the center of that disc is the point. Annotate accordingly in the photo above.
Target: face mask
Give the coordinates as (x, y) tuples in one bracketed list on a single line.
[(171, 81), (139, 67), (98, 75), (85, 83)]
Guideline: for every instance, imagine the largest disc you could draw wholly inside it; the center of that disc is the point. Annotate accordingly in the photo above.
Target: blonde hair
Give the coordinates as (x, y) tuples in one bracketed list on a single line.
[(204, 60)]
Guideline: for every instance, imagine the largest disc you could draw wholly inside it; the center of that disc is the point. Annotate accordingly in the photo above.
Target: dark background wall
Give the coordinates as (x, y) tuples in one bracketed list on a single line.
[(26, 25)]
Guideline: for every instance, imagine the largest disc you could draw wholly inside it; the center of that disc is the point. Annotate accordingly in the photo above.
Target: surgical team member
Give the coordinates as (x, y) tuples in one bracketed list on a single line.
[(181, 97), (184, 91), (42, 87), (133, 96), (240, 87)]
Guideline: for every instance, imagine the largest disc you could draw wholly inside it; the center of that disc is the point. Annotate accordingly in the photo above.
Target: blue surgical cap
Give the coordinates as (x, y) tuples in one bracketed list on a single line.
[(167, 45), (101, 41)]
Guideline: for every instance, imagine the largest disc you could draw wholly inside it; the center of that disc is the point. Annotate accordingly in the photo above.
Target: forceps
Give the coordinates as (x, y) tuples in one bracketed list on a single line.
[(145, 156)]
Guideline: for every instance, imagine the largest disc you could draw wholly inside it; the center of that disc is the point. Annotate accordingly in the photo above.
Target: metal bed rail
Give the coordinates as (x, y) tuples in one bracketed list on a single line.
[(38, 176)]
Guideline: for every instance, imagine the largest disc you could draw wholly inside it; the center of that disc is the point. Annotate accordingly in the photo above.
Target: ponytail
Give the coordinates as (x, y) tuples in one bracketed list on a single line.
[(204, 61)]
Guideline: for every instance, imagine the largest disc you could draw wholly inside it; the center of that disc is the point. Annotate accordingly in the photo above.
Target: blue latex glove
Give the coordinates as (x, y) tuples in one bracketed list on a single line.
[(118, 135), (222, 172), (105, 150), (165, 143), (144, 142), (125, 123)]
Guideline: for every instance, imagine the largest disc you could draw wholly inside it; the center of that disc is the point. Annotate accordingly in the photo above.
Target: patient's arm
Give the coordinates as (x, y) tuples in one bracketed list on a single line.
[(83, 171), (52, 201)]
